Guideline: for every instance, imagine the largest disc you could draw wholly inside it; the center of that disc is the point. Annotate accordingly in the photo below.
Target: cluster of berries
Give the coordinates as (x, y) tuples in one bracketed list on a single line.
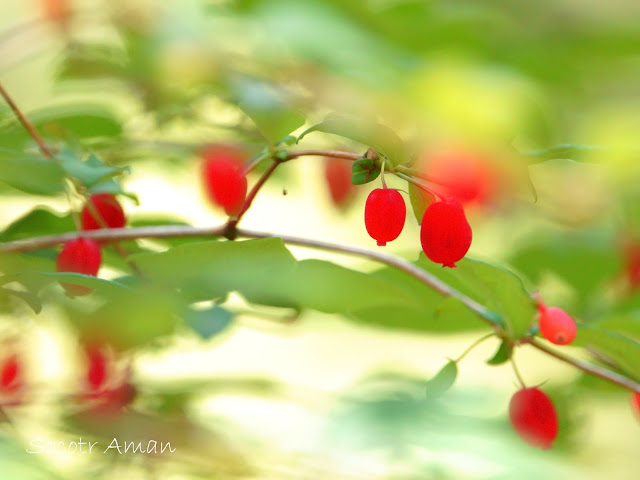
[(105, 388), (83, 255)]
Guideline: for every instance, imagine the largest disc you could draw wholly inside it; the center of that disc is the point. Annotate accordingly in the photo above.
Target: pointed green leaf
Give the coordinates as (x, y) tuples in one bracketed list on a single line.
[(210, 322), (442, 381), (420, 200), (503, 353)]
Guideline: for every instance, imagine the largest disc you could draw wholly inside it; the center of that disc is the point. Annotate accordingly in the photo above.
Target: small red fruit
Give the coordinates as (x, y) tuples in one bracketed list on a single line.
[(337, 173), (635, 402), (97, 368), (224, 178), (465, 176), (10, 374), (81, 255), (110, 211), (384, 215), (533, 417), (556, 325), (445, 234)]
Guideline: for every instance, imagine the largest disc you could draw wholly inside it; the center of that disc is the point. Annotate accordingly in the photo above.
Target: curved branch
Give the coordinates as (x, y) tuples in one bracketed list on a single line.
[(169, 231), (324, 153), (589, 368)]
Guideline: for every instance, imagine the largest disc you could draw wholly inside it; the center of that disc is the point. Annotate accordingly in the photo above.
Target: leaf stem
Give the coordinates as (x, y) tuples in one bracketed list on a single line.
[(516, 371), (474, 345)]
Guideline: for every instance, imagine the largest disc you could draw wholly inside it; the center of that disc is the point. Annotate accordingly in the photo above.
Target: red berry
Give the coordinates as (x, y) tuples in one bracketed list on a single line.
[(445, 233), (337, 173), (556, 325), (533, 417), (81, 255), (109, 210), (224, 177), (97, 368), (635, 402), (10, 373), (632, 263), (384, 215), (467, 177)]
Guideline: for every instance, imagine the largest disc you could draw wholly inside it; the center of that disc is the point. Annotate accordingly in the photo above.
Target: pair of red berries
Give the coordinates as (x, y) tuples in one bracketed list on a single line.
[(445, 233), (83, 255)]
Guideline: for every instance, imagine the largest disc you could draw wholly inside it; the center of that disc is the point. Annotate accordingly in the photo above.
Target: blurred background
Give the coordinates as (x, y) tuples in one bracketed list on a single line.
[(275, 394)]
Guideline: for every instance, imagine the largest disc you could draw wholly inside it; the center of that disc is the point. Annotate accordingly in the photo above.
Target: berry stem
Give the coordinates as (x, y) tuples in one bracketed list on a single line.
[(324, 153), (384, 183), (474, 345), (517, 372), (419, 184)]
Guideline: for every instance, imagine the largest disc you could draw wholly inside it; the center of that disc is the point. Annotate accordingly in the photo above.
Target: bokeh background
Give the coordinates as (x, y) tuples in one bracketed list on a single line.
[(274, 395)]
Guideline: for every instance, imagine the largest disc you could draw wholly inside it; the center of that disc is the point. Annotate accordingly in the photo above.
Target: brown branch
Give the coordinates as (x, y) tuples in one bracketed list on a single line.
[(46, 151), (589, 368), (324, 153), (172, 231)]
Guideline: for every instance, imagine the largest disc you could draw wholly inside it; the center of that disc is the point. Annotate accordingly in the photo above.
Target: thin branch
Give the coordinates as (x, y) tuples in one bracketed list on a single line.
[(172, 231), (324, 153), (46, 151), (589, 368), (169, 231), (472, 346)]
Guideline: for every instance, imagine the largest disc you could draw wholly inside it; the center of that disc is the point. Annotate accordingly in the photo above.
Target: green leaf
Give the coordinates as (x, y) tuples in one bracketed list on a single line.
[(265, 272), (36, 281), (113, 187), (379, 137), (78, 121), (130, 317), (503, 353), (29, 298), (39, 221), (210, 322), (89, 172), (364, 171), (586, 260), (442, 381), (623, 351), (420, 199), (32, 174), (268, 106)]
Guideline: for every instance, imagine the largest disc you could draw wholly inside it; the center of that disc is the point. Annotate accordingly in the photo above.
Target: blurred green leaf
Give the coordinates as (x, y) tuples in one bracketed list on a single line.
[(623, 351), (32, 174), (268, 106), (210, 322), (29, 298), (442, 381), (382, 139), (37, 222), (265, 272)]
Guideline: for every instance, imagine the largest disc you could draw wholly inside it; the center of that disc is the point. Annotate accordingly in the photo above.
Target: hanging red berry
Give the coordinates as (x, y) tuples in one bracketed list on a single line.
[(109, 210), (533, 417), (337, 173), (445, 233), (224, 178), (81, 255), (384, 215), (556, 325)]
